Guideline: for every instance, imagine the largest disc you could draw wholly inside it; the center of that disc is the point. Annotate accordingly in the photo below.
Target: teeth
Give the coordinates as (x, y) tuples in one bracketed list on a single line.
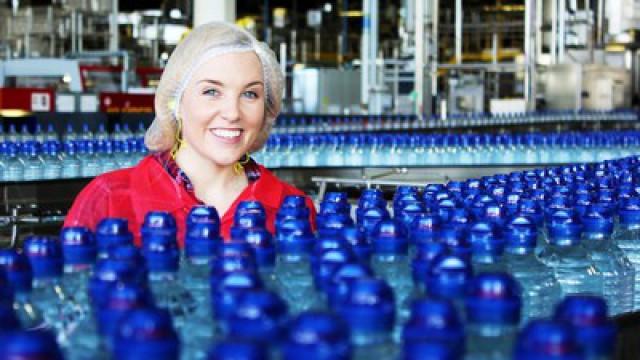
[(226, 133)]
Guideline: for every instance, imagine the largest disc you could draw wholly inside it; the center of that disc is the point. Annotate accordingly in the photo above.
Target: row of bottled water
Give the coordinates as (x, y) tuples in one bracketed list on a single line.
[(41, 134), (32, 160), (393, 149), (526, 265), (295, 124)]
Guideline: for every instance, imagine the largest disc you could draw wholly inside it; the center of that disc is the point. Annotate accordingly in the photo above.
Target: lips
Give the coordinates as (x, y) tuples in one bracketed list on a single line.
[(227, 135)]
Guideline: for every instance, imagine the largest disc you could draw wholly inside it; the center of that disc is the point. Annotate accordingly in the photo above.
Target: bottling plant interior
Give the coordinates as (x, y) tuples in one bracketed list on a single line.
[(320, 179)]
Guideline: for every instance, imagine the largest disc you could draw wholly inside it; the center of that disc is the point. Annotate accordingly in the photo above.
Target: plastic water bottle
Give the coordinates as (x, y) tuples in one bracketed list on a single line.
[(48, 295), (202, 236), (226, 290), (25, 134), (79, 251), (317, 335), (33, 165), (106, 156), (486, 248), (294, 242), (369, 309), (447, 279), (565, 255), (324, 264), (20, 277), (110, 233), (539, 285), (258, 316), (617, 272), (51, 160), (86, 133), (160, 249), (547, 339), (594, 331), (24, 344), (90, 166), (390, 262), (265, 253), (146, 333), (627, 238), (433, 322), (71, 165), (342, 279), (69, 134), (493, 313)]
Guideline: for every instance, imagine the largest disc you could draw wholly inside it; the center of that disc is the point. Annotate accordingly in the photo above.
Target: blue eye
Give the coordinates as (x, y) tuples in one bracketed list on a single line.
[(212, 92), (251, 94)]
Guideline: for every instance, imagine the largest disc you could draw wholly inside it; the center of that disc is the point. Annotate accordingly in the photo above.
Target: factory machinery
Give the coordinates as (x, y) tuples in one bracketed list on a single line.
[(381, 70)]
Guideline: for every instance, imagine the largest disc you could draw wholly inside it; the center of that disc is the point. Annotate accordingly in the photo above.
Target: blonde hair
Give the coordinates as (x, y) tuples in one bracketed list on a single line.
[(200, 45)]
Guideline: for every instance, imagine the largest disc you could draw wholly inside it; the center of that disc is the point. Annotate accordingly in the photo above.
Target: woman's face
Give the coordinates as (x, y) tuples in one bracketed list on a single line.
[(222, 108)]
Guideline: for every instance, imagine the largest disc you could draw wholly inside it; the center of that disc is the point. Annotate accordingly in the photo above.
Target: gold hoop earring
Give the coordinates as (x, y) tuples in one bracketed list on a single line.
[(238, 167), (178, 142)]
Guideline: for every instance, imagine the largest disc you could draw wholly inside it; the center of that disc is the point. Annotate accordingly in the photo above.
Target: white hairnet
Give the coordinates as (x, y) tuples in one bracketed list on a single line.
[(202, 44)]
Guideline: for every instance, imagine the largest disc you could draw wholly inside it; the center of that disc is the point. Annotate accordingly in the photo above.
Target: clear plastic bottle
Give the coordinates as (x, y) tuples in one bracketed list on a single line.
[(14, 168), (132, 340), (368, 308), (539, 285), (316, 334), (627, 237), (71, 165), (493, 315), (51, 160), (566, 256), (33, 165)]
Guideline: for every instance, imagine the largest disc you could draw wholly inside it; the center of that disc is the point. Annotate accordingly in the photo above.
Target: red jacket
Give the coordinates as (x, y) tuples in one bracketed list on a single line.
[(131, 193)]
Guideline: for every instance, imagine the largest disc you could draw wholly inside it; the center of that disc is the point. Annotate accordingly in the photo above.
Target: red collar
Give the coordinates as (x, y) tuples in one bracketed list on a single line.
[(153, 188)]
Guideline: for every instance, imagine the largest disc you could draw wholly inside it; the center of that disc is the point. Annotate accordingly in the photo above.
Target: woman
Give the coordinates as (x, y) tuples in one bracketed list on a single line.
[(216, 102)]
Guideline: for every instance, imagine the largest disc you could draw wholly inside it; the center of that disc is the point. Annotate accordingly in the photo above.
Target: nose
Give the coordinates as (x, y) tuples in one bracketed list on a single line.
[(230, 110)]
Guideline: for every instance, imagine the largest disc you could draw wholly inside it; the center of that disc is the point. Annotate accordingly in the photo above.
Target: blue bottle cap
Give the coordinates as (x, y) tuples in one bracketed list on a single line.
[(78, 245), (422, 262), (238, 349), (359, 243), (484, 239), (410, 211), (258, 315), (455, 238), (317, 335), (547, 339), (203, 214), (111, 232), (520, 234), (434, 320), (593, 329), (341, 279), (146, 333), (296, 201), (122, 297), (18, 271), (235, 247), (228, 287), (294, 237), (334, 208), (45, 256), (332, 223), (158, 223), (565, 228), (493, 298), (128, 252), (263, 246), (370, 219), (336, 197), (368, 306), (479, 203), (291, 213), (28, 344), (249, 207), (629, 211), (448, 277), (389, 238), (597, 221), (425, 228), (201, 240), (109, 271), (160, 252), (326, 263)]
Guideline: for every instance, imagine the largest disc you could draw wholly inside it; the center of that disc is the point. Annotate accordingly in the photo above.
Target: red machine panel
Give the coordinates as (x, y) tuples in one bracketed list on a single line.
[(111, 102), (27, 99)]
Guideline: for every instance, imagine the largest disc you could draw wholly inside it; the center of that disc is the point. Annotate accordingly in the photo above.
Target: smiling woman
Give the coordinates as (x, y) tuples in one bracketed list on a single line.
[(216, 102)]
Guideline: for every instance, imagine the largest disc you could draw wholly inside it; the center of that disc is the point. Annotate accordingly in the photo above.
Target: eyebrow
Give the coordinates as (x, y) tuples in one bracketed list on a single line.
[(219, 83)]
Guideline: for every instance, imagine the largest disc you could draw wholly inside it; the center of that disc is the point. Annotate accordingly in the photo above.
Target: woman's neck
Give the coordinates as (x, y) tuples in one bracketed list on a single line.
[(214, 185)]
